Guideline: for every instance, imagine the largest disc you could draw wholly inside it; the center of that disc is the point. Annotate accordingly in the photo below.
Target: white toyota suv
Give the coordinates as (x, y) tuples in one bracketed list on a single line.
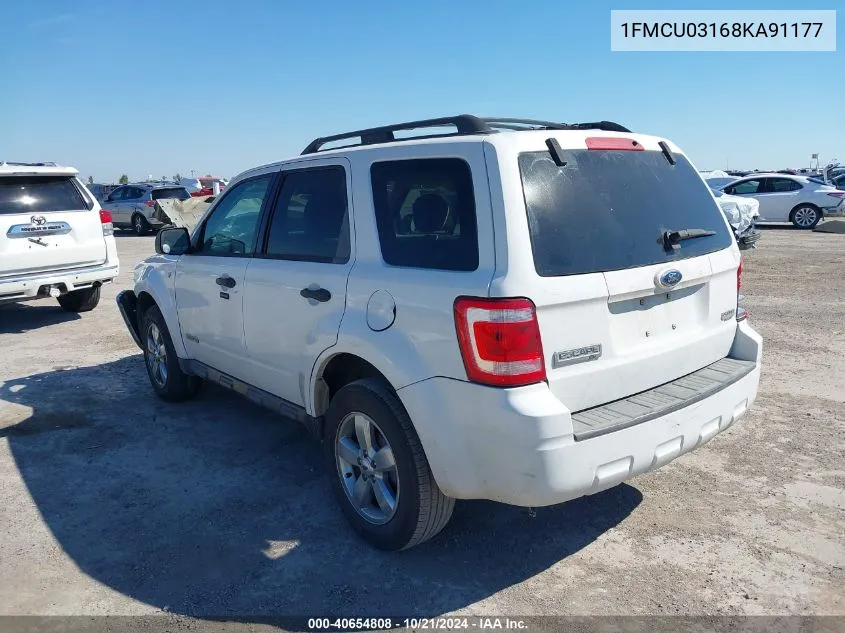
[(514, 310), (55, 240)]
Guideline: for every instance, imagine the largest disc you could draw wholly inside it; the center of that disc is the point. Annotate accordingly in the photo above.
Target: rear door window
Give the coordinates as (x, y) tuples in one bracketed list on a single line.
[(40, 194), (425, 213), (781, 185), (310, 221), (607, 210)]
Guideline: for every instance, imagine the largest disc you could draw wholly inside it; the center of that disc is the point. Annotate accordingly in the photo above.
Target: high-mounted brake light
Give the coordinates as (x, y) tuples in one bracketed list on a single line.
[(500, 341), (106, 221), (614, 143)]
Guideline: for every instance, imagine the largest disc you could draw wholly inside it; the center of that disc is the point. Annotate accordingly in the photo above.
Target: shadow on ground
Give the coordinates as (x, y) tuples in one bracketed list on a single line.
[(217, 508), (17, 318)]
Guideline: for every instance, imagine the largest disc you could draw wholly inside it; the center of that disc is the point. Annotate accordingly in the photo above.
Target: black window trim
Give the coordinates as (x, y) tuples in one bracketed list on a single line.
[(406, 159), (268, 212), (199, 234)]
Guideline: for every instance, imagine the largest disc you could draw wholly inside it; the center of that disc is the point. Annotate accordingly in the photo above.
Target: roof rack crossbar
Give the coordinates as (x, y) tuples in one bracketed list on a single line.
[(463, 123), (521, 124)]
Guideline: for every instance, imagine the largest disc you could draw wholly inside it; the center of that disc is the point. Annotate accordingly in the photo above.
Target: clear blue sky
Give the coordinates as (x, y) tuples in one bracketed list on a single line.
[(156, 87)]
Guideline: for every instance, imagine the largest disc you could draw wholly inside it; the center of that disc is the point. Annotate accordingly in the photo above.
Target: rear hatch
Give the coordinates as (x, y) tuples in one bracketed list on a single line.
[(47, 223), (621, 309)]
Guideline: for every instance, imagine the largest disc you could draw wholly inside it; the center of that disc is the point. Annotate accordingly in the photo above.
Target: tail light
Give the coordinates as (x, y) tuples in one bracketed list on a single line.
[(106, 221), (837, 194), (500, 341), (741, 313), (150, 203)]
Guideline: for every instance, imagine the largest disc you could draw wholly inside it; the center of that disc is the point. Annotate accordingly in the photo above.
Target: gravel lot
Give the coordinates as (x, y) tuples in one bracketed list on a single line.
[(113, 502)]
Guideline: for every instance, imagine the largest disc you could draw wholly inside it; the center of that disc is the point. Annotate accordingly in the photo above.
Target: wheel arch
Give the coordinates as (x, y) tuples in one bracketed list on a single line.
[(152, 292), (805, 204), (337, 370)]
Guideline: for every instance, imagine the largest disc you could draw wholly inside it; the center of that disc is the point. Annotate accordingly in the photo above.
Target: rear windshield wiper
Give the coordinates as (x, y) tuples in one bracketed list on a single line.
[(672, 239)]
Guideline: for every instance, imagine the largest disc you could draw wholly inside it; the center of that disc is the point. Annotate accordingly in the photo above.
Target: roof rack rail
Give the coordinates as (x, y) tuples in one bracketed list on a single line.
[(464, 124), (45, 164)]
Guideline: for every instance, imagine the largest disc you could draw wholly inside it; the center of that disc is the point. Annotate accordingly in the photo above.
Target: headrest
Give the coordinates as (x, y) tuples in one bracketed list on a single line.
[(430, 213)]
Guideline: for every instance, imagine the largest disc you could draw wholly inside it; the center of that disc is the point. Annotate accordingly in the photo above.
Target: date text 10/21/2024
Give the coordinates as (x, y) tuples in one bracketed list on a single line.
[(417, 624)]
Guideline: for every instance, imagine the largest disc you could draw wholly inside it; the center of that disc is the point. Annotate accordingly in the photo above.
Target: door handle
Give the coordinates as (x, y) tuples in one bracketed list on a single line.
[(320, 294), (226, 281)]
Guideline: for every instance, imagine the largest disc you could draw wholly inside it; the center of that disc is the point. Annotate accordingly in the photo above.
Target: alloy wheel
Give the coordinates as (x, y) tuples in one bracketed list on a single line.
[(367, 468), (156, 355)]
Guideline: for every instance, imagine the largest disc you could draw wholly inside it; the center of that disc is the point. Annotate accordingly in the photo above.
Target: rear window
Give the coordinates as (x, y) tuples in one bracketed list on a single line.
[(172, 192), (425, 213), (607, 210), (40, 194)]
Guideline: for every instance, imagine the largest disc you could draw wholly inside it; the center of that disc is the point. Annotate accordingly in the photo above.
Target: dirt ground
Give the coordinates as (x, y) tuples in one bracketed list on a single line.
[(113, 502)]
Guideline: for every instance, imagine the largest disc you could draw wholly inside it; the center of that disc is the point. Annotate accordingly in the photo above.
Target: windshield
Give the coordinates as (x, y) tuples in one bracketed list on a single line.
[(608, 210), (40, 194), (172, 192)]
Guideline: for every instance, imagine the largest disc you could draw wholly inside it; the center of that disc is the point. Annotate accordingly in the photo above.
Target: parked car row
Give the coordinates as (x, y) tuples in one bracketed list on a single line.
[(133, 205), (784, 198)]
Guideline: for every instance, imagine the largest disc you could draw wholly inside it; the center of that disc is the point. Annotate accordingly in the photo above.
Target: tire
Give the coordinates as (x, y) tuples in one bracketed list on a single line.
[(166, 376), (805, 216), (83, 300), (140, 225), (420, 509)]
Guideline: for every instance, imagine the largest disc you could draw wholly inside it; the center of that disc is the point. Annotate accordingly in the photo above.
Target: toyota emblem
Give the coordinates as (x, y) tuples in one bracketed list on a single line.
[(38, 220)]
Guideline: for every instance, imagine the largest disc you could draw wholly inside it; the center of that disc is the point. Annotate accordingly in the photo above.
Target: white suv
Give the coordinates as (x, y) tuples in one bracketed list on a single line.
[(55, 240), (514, 310)]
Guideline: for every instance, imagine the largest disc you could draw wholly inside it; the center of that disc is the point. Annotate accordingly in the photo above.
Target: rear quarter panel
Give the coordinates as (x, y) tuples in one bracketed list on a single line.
[(422, 341)]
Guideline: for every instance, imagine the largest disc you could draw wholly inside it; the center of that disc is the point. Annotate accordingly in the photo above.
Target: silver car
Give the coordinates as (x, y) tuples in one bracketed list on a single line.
[(133, 205)]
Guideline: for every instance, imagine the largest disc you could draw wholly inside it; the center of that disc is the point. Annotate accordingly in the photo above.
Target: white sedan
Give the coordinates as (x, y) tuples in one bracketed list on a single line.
[(785, 198)]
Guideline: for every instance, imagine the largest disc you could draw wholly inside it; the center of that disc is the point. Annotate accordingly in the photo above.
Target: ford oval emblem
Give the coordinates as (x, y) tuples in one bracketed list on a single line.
[(669, 278)]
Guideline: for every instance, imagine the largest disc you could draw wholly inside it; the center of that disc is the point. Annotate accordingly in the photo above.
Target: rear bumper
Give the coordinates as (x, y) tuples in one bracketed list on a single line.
[(37, 285), (518, 446)]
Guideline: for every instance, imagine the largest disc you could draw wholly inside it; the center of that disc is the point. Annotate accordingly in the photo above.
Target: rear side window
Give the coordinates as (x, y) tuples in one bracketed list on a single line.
[(40, 194), (779, 185), (172, 192), (425, 213), (607, 210)]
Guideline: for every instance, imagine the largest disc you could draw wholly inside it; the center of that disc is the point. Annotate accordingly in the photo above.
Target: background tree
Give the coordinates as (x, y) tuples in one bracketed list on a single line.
[(124, 179), (177, 177), (90, 180)]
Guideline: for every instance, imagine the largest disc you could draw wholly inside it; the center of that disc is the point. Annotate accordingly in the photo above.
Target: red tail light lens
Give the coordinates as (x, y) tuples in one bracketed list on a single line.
[(739, 275), (500, 341), (105, 220), (837, 194), (150, 203)]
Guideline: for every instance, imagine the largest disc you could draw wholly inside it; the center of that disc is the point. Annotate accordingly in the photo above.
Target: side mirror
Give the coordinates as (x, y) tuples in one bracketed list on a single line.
[(175, 241)]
